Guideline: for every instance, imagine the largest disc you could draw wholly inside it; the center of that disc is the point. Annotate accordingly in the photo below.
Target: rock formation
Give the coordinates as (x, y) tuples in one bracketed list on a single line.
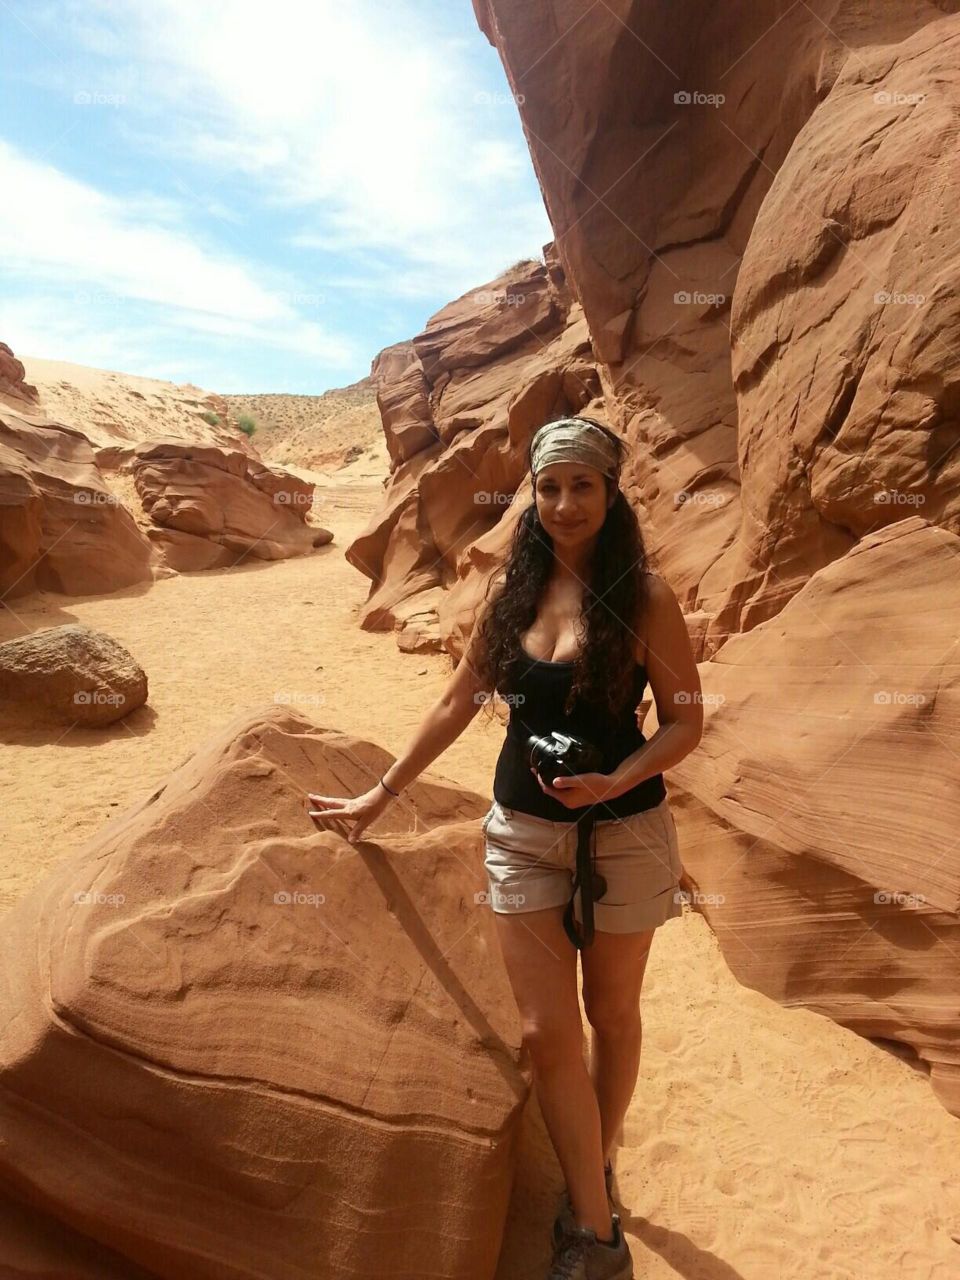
[(12, 383), (209, 505), (753, 211), (70, 524), (61, 527), (232, 1044), (71, 675), (459, 405), (820, 812), (767, 184)]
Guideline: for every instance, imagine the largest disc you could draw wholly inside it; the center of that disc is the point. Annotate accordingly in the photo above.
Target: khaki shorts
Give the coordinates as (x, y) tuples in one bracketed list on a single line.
[(531, 863)]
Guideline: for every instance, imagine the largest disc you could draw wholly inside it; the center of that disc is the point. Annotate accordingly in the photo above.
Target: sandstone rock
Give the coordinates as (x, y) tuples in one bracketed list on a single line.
[(12, 375), (34, 1246), (61, 528), (673, 141), (820, 812), (403, 398), (226, 499), (208, 1069), (395, 550), (459, 406), (71, 675), (849, 260)]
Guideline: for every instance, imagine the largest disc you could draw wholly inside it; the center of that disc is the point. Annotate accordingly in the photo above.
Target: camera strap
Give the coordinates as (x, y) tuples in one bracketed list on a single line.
[(587, 882)]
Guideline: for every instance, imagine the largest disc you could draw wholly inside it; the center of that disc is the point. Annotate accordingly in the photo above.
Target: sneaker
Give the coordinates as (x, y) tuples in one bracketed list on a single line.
[(581, 1256), (565, 1220)]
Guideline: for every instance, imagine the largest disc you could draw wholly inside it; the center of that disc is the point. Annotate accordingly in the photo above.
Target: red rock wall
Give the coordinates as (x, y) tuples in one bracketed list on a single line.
[(730, 187), (756, 206), (459, 405)]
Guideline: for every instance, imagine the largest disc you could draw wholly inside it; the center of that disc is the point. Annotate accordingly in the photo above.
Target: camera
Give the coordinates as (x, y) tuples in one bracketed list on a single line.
[(562, 755)]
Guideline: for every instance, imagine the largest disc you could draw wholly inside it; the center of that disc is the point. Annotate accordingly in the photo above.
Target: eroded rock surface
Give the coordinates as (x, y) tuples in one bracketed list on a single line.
[(231, 1044)]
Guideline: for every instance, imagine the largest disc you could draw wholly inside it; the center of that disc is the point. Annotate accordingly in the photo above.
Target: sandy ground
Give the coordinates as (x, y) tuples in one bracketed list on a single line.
[(762, 1143)]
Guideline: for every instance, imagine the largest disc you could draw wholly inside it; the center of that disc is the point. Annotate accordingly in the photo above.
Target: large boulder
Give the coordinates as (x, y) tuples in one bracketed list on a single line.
[(820, 812), (70, 675), (231, 1044), (209, 505)]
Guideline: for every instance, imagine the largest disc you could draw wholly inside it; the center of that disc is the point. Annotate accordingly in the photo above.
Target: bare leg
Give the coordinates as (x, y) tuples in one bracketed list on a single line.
[(614, 1067), (542, 967), (613, 970)]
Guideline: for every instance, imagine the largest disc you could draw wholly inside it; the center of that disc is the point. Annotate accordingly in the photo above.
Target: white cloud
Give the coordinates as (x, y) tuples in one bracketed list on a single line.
[(260, 145), (358, 116), (69, 234)]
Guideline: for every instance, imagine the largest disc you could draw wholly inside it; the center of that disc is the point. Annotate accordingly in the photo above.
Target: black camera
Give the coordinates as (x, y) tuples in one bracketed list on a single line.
[(561, 755)]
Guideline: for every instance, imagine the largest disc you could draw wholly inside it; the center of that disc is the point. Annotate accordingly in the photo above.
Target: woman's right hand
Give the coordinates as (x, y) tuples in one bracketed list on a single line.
[(361, 811)]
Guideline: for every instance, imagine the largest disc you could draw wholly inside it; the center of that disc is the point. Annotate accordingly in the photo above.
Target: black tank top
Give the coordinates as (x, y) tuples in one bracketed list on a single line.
[(540, 689)]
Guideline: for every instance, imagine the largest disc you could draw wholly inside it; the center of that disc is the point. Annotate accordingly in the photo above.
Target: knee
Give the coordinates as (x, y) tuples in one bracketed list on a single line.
[(613, 1022), (552, 1044)]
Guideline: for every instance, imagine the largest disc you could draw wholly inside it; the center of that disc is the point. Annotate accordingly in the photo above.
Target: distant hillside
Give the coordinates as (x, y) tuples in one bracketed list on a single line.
[(315, 432)]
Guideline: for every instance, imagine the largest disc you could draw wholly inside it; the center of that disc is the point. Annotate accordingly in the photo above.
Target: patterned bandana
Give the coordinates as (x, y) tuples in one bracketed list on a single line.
[(573, 440)]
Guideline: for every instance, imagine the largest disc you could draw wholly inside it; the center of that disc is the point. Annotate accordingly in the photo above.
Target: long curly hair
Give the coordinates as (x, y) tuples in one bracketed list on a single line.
[(614, 602)]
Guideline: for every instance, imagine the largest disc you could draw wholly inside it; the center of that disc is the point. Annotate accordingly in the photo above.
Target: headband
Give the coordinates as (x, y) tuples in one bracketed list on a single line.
[(574, 440)]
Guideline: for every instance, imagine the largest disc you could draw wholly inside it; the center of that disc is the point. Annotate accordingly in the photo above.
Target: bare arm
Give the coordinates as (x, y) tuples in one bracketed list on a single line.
[(442, 725), (444, 722), (675, 682)]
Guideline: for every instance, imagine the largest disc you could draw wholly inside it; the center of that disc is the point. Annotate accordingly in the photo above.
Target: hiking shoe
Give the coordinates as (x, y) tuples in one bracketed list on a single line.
[(581, 1256), (565, 1220)]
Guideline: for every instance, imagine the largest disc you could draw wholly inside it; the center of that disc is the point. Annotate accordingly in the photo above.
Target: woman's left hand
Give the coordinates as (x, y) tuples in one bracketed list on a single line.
[(577, 791)]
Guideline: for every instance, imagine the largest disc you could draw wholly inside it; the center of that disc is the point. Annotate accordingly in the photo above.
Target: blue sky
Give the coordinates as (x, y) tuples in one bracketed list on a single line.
[(250, 196)]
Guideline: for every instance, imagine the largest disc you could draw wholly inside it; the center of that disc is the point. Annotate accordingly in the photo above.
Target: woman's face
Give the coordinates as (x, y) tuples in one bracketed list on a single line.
[(571, 501)]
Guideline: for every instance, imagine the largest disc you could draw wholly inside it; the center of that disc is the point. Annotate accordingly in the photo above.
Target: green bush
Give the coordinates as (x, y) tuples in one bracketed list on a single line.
[(246, 424), (211, 417)]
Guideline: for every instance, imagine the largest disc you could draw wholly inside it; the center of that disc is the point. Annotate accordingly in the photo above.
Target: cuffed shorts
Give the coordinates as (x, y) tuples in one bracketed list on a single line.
[(531, 863)]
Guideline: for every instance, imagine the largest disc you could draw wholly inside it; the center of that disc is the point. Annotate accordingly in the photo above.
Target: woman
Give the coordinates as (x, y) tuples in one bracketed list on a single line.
[(577, 630)]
